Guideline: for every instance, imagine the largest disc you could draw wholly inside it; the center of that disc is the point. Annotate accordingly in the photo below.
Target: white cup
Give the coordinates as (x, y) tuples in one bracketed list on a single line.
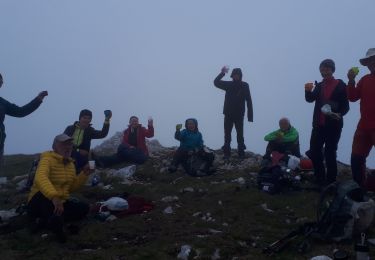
[(92, 165)]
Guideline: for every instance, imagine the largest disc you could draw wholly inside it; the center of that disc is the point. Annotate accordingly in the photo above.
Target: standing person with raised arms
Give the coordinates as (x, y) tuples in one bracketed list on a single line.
[(7, 108), (237, 93)]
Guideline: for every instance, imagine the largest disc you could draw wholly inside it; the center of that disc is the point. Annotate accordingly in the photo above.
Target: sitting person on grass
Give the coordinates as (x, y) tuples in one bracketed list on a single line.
[(49, 205), (133, 148), (191, 143), (285, 140)]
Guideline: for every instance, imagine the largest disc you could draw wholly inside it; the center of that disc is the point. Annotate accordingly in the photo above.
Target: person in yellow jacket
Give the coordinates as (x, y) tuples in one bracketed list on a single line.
[(48, 203)]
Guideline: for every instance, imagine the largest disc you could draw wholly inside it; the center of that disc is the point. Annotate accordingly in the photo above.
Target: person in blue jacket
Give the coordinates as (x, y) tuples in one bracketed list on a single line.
[(191, 142)]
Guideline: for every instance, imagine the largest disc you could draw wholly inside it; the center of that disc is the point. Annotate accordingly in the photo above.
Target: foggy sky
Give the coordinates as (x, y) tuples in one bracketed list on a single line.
[(159, 59)]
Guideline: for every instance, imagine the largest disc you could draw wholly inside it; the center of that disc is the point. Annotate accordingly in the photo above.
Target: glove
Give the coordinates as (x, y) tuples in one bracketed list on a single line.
[(178, 127), (107, 114)]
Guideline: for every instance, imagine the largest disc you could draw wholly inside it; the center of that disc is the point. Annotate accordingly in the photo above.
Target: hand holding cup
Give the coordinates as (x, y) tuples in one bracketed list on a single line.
[(178, 127), (309, 86)]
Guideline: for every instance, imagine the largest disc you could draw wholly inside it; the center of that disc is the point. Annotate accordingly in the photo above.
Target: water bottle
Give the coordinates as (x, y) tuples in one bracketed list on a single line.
[(95, 180), (362, 249)]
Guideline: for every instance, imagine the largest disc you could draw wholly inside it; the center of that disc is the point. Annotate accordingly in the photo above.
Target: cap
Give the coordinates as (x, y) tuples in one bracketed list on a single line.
[(62, 138)]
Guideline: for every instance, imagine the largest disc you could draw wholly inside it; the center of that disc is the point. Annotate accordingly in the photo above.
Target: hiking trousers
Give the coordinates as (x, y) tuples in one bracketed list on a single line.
[(363, 141), (41, 207), (327, 138), (237, 121)]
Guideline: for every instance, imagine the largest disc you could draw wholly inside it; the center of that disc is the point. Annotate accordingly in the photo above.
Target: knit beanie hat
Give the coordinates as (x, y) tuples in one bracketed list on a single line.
[(85, 112), (328, 63)]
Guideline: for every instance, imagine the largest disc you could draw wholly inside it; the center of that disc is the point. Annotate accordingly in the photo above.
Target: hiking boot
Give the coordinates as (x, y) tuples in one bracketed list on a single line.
[(226, 149), (241, 154)]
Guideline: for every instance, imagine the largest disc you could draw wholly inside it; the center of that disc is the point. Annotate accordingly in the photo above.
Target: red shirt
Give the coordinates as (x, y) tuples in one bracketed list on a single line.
[(365, 91), (329, 86)]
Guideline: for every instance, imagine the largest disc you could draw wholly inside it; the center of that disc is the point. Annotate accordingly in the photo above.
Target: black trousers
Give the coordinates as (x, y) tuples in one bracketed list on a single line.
[(327, 138), (237, 122), (41, 207)]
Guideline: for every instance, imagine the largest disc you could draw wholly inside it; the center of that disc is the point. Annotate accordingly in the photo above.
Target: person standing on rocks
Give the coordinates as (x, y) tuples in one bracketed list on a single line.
[(237, 93), (82, 133), (7, 108), (331, 104), (364, 137)]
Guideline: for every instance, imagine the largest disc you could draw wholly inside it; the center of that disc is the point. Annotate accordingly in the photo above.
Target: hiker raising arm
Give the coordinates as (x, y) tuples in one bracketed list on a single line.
[(364, 136), (7, 108), (331, 104), (237, 93), (82, 133)]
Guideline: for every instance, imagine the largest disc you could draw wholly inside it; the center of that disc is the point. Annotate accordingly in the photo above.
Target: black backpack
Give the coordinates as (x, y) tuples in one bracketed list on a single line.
[(195, 165), (274, 179), (31, 175)]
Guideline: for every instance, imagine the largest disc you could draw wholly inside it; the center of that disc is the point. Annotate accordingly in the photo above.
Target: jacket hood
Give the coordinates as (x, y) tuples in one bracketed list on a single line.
[(236, 71), (195, 122)]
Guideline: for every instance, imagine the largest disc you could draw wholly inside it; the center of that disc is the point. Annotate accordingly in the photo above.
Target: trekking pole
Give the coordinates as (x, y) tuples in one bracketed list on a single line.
[(280, 244)]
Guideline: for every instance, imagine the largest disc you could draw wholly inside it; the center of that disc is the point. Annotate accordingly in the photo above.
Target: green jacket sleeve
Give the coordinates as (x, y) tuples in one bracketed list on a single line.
[(271, 136), (291, 135)]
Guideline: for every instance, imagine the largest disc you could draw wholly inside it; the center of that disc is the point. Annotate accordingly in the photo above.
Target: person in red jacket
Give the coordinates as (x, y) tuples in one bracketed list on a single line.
[(364, 137), (133, 147)]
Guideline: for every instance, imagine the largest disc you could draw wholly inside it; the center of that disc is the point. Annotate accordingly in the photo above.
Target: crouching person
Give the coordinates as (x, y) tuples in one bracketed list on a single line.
[(49, 204), (191, 153), (133, 147), (285, 140)]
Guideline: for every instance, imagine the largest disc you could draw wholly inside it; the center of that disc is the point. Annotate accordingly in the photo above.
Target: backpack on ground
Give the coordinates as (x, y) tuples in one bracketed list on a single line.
[(31, 175), (274, 179), (343, 211), (198, 164)]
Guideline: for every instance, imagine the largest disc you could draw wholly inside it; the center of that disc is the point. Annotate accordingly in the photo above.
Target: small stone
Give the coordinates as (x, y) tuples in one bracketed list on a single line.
[(168, 210)]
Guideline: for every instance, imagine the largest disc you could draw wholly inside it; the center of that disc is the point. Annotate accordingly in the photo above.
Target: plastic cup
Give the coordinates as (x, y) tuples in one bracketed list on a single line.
[(92, 165), (309, 86)]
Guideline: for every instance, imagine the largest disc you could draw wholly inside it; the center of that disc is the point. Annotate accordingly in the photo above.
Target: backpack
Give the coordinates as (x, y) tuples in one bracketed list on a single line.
[(343, 211), (195, 165), (273, 179), (31, 175)]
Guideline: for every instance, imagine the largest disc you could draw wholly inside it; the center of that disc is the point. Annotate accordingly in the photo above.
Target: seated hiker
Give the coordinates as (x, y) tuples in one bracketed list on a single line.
[(133, 147), (83, 133), (49, 204), (284, 140), (191, 143)]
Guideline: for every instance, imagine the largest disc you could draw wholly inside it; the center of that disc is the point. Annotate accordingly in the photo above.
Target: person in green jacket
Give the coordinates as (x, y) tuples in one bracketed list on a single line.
[(284, 140)]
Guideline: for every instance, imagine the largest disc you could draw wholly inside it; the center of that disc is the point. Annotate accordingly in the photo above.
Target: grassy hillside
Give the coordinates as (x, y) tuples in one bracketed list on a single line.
[(215, 214)]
